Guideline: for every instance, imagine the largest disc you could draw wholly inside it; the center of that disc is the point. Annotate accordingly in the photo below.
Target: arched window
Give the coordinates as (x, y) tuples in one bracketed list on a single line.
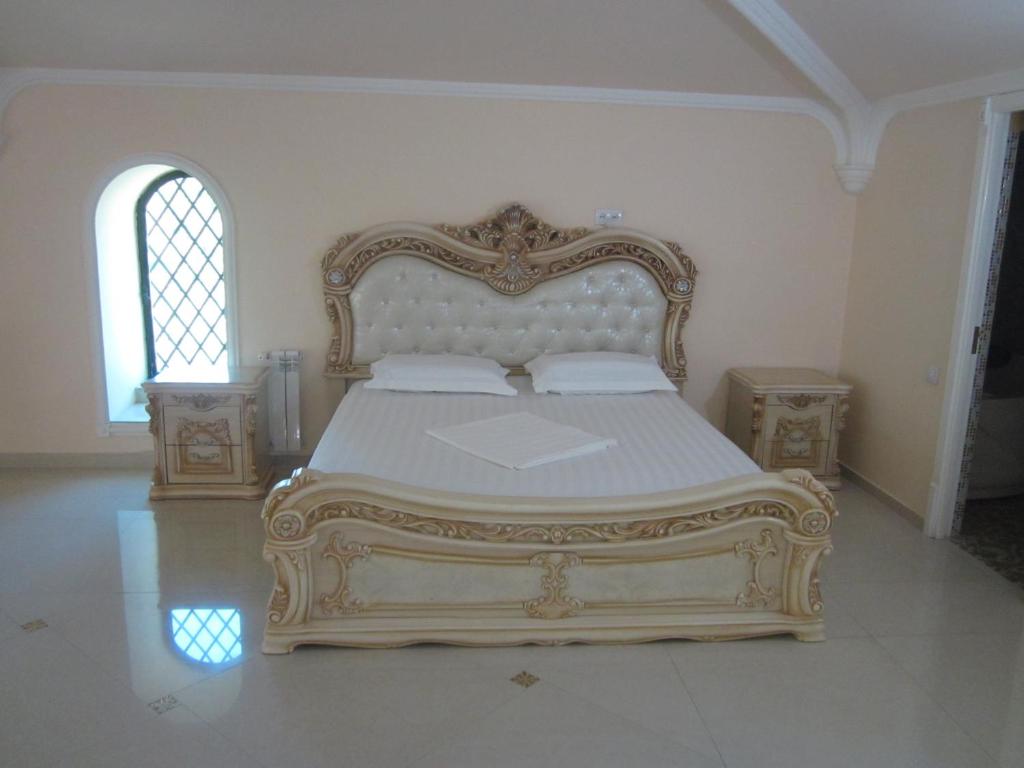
[(164, 279), (181, 273)]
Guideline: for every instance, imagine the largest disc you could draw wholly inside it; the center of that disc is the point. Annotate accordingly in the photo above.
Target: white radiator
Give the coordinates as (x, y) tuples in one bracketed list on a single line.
[(283, 395)]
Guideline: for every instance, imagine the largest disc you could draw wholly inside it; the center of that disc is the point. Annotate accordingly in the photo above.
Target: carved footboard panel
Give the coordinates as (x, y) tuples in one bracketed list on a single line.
[(362, 562)]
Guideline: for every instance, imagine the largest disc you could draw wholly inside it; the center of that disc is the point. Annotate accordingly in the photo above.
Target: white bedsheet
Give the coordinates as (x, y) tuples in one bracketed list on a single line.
[(521, 440), (663, 444)]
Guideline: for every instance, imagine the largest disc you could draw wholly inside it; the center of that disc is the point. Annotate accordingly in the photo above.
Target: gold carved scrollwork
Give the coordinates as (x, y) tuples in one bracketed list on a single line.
[(287, 525), (250, 409), (514, 221), (757, 595), (814, 587), (757, 419), (801, 554), (201, 401), (278, 603), (843, 409), (341, 600), (814, 522), (510, 252), (328, 261), (217, 432), (802, 400), (153, 409), (283, 563), (514, 232), (284, 490), (797, 442), (414, 245), (513, 274), (339, 355), (540, 533), (203, 447), (554, 603)]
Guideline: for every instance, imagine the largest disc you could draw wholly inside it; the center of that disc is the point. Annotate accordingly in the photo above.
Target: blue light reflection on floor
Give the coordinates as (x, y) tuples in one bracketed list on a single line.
[(207, 635)]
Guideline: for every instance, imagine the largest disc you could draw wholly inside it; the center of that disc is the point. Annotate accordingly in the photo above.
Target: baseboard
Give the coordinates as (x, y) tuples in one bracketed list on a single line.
[(135, 460), (898, 506)]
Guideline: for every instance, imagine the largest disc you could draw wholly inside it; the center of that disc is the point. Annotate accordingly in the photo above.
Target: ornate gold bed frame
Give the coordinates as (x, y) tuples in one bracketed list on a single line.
[(512, 252), (362, 561)]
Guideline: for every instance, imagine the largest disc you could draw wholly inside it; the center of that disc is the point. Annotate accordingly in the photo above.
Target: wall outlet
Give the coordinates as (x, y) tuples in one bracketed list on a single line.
[(608, 217), (932, 376)]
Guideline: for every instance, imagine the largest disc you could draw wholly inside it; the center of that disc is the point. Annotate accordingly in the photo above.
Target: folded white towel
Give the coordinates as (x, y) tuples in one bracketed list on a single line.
[(520, 440)]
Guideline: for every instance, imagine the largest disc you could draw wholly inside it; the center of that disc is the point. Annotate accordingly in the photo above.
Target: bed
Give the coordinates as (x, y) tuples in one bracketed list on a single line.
[(390, 538)]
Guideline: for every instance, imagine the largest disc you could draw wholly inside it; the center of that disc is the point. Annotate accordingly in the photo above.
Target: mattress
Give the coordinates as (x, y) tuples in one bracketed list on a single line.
[(662, 443)]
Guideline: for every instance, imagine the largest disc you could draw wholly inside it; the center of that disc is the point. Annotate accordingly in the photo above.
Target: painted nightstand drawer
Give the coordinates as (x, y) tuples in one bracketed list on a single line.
[(811, 455), (203, 402), (201, 463), (801, 401), (221, 425)]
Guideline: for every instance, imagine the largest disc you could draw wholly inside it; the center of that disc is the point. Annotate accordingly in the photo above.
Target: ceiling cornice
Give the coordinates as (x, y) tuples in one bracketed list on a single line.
[(12, 81), (856, 135), (864, 122), (855, 167), (989, 85), (883, 110), (797, 46)]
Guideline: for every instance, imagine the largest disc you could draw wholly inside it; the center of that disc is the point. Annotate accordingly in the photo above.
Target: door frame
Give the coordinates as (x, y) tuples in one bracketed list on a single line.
[(970, 304)]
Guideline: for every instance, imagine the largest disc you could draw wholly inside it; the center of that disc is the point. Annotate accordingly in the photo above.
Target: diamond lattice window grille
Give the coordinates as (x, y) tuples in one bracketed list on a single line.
[(181, 243), (207, 635)]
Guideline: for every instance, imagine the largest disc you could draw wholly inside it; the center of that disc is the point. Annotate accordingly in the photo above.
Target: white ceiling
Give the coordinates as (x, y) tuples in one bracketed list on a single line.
[(894, 46), (883, 46), (681, 45)]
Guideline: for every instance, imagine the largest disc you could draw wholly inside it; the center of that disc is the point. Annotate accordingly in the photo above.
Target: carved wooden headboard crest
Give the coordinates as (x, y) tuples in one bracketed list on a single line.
[(512, 252)]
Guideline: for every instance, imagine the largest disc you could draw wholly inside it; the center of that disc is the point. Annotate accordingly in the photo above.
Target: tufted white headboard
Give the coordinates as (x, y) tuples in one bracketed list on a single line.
[(508, 288)]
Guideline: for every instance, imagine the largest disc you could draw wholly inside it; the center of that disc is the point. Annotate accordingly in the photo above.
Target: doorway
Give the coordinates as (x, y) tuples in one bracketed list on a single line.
[(988, 519)]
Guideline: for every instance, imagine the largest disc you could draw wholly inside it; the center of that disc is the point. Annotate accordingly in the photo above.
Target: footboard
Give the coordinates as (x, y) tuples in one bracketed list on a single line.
[(362, 562)]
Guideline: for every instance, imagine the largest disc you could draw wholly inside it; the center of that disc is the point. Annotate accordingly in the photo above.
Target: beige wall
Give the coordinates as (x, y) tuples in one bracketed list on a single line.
[(751, 196), (908, 249)]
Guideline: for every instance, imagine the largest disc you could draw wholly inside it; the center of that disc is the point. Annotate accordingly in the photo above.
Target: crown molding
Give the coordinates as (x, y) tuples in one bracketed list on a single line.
[(796, 45), (853, 166), (12, 81), (856, 134), (863, 122), (978, 87), (868, 137)]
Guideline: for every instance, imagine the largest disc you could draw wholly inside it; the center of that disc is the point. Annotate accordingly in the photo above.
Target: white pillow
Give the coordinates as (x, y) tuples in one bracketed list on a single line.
[(439, 373), (597, 373)]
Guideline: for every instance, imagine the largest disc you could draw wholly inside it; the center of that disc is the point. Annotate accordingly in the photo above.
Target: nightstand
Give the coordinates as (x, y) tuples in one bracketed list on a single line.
[(210, 433), (788, 418)]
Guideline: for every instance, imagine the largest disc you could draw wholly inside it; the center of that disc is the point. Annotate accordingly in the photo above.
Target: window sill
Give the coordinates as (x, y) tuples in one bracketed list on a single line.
[(116, 428), (133, 420)]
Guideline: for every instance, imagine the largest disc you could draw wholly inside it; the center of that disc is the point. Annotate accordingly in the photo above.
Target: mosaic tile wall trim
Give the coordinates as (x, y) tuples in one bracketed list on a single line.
[(985, 333)]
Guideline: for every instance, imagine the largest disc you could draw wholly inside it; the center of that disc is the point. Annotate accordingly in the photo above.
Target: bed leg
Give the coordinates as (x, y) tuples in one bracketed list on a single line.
[(815, 635), (272, 646)]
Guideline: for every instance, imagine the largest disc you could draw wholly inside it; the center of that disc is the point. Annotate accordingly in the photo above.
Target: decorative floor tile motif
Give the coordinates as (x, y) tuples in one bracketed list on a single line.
[(993, 531), (524, 679), (165, 704), (34, 625)]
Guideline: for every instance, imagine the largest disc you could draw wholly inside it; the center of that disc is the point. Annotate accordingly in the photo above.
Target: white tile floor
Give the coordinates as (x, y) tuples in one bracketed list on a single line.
[(924, 665)]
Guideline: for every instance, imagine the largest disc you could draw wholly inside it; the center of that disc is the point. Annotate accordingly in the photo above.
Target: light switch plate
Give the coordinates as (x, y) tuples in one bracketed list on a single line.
[(608, 217)]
